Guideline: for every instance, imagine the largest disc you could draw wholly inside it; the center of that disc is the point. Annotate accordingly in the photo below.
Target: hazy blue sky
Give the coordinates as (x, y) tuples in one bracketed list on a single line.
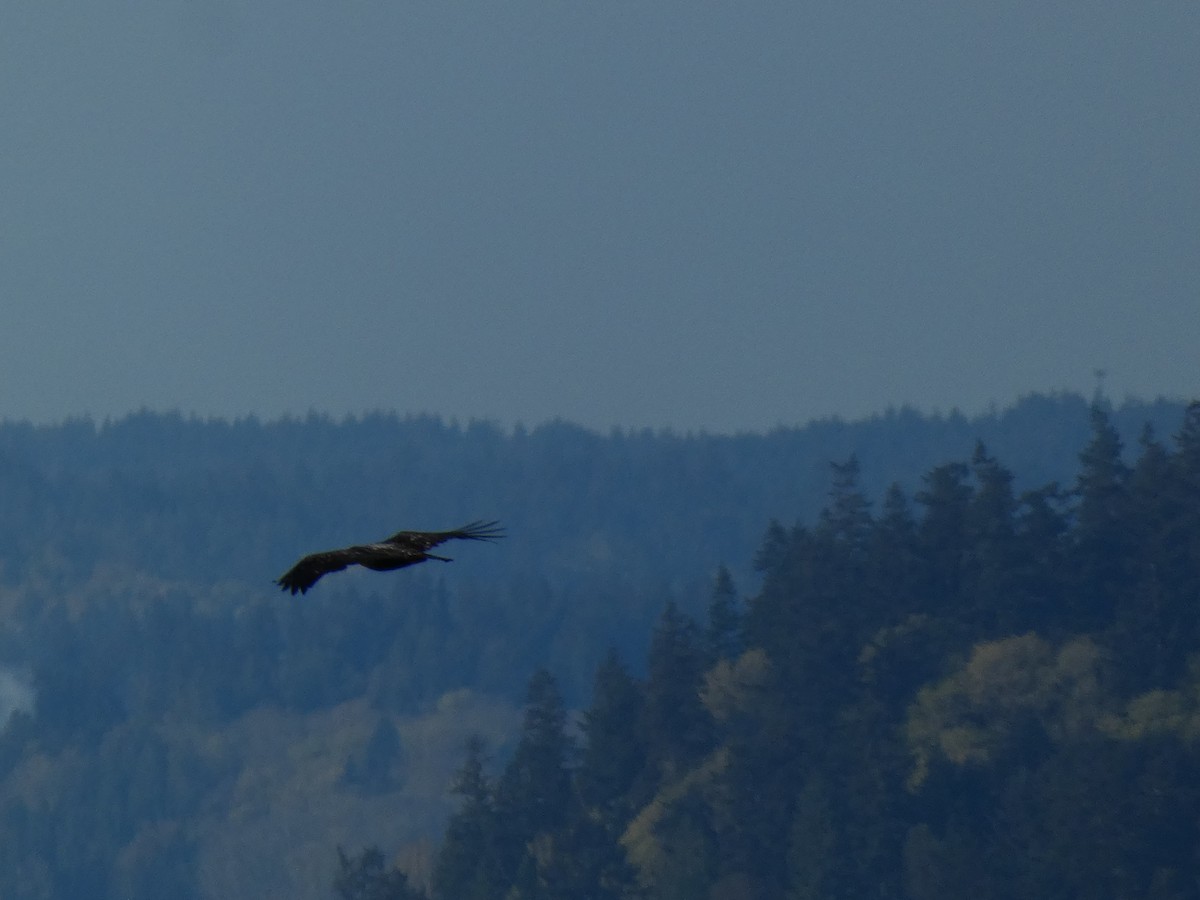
[(687, 214)]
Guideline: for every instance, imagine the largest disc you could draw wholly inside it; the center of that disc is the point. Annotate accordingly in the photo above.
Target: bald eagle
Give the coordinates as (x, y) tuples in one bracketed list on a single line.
[(404, 548)]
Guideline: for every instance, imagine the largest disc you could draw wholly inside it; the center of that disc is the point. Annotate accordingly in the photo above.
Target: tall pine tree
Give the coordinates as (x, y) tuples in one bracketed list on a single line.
[(467, 867), (677, 727), (535, 797), (1102, 535), (723, 634)]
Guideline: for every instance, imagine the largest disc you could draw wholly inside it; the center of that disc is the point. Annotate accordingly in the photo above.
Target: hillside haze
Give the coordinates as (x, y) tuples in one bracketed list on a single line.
[(171, 718), (203, 502)]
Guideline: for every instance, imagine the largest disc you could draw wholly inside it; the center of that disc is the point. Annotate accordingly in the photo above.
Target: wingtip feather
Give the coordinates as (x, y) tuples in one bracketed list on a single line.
[(481, 530)]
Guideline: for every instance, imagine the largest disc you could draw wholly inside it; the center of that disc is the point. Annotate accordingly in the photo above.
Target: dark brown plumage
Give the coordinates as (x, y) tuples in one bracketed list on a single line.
[(404, 548)]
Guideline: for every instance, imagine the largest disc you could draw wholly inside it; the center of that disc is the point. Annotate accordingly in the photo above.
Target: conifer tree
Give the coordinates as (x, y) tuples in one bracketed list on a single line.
[(841, 571), (723, 634), (1184, 567), (1040, 566), (990, 557), (772, 553), (893, 555), (677, 727), (614, 753), (942, 533), (466, 867), (1142, 621), (1102, 537), (535, 797), (847, 516)]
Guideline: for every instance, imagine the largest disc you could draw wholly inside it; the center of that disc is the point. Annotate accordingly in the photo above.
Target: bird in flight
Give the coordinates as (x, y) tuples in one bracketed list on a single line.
[(404, 548)]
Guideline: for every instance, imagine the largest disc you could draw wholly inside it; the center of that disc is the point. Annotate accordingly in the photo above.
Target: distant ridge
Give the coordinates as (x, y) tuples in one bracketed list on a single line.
[(135, 491)]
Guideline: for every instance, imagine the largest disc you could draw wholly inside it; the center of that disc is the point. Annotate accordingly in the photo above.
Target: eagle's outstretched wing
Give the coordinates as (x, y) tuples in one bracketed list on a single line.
[(304, 574), (404, 548), (425, 540)]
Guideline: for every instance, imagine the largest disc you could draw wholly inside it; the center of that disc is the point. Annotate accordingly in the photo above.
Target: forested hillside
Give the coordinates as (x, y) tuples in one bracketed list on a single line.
[(966, 692), (204, 502), (170, 719)]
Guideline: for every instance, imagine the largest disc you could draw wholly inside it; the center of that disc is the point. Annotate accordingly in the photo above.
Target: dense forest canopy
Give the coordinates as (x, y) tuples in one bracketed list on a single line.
[(205, 501), (821, 662), (972, 692)]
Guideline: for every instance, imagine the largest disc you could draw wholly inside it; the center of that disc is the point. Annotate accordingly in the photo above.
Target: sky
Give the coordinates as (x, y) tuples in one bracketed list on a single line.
[(686, 215)]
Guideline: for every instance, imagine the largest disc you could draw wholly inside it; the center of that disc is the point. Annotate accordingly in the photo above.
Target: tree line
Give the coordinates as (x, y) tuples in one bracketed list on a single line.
[(206, 501), (969, 691)]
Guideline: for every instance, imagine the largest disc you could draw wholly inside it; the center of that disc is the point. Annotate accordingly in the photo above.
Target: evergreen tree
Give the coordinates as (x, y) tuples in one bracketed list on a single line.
[(611, 762), (615, 751), (535, 797), (847, 517), (943, 535), (466, 866), (1182, 575), (723, 634), (773, 550), (1102, 537), (1141, 627), (677, 728), (1040, 567), (895, 569), (993, 548), (841, 577)]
